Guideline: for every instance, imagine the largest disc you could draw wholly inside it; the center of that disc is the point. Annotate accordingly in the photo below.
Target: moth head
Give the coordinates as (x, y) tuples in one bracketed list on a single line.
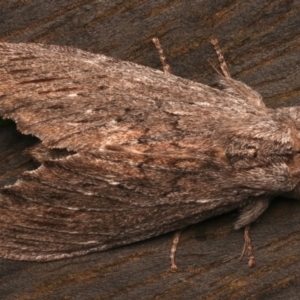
[(291, 116)]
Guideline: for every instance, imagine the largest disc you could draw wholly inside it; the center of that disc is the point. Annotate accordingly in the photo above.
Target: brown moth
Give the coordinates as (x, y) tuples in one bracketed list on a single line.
[(128, 152)]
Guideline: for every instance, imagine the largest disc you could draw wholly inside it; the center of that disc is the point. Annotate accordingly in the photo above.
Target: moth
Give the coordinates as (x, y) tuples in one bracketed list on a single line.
[(127, 152)]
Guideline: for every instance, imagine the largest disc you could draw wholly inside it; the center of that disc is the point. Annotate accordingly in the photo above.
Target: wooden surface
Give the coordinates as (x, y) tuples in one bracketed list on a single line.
[(261, 43)]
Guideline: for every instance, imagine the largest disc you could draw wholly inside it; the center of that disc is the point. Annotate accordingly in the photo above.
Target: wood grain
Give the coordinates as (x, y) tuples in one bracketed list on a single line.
[(261, 43)]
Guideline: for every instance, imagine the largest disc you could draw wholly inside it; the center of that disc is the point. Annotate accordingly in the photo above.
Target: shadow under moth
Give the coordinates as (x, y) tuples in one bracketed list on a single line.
[(128, 152)]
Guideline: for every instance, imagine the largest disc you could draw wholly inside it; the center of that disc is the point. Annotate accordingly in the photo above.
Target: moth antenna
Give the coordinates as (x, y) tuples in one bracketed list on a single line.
[(162, 57), (248, 246), (221, 58), (214, 67)]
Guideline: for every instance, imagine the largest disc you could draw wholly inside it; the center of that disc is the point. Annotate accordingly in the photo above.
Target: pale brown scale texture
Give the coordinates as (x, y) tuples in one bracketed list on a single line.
[(144, 153)]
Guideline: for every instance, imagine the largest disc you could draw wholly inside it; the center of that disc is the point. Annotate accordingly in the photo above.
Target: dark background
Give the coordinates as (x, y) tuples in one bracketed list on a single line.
[(261, 44)]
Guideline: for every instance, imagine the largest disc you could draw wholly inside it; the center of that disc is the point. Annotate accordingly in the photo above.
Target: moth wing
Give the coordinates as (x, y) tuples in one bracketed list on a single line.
[(144, 149), (60, 94)]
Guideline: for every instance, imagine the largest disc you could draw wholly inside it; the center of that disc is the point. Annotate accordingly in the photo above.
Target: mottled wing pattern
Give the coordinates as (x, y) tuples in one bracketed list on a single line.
[(148, 152)]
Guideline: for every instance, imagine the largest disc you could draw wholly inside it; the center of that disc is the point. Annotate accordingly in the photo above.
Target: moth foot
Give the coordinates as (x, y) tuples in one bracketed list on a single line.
[(174, 267), (251, 262)]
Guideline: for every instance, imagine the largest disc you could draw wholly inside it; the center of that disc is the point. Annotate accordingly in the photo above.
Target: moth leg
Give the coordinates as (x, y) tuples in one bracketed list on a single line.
[(167, 69), (248, 246), (221, 58), (248, 215), (252, 211), (173, 250)]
